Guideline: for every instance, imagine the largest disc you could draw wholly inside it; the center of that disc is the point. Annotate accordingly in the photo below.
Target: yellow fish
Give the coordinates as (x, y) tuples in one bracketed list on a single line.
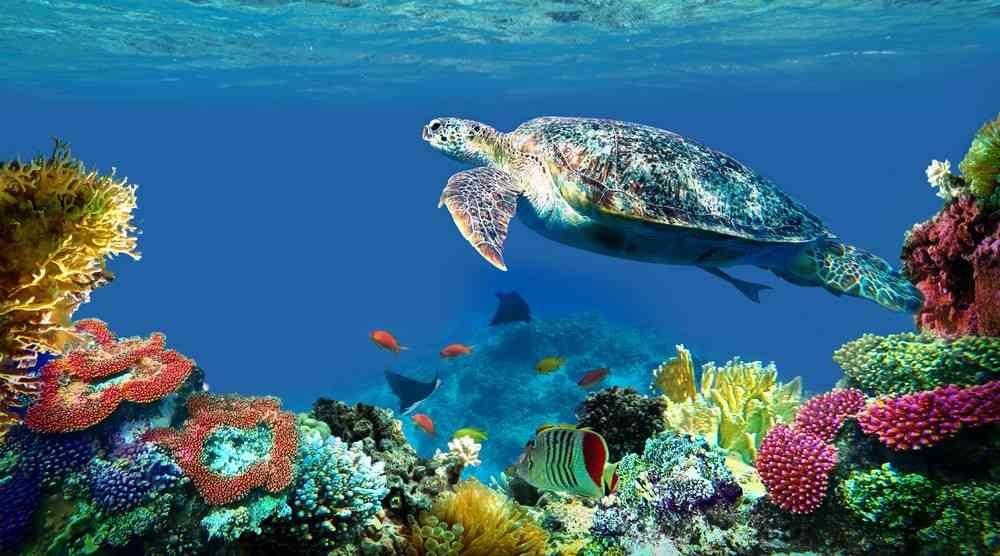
[(567, 459), (550, 364), (476, 434)]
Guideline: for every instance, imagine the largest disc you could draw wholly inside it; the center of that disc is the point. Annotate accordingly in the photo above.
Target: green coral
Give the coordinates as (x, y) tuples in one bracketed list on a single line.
[(968, 521), (888, 500), (911, 362), (230, 523), (981, 165)]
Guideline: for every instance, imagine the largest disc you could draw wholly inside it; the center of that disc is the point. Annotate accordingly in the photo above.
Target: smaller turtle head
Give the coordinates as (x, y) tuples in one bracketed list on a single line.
[(463, 140)]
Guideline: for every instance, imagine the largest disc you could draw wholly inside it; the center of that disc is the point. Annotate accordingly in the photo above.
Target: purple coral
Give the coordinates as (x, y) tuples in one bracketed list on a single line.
[(918, 420), (126, 482), (49, 456), (20, 494)]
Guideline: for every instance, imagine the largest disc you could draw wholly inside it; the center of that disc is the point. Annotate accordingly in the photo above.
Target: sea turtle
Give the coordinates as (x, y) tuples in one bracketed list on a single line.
[(638, 192)]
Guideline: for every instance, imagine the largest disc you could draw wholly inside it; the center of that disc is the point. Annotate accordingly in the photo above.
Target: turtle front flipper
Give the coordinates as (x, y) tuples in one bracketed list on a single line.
[(482, 201)]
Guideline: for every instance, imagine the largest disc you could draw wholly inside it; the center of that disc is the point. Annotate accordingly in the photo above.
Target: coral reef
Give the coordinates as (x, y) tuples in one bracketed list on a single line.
[(209, 449), (918, 420), (735, 405), (909, 362), (823, 415), (624, 417), (58, 224), (981, 165), (85, 386), (678, 493), (487, 524), (795, 467)]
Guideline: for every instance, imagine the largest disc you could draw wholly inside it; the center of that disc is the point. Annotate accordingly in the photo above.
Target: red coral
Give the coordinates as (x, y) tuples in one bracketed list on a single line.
[(87, 385), (795, 467), (938, 259), (822, 415), (986, 271), (914, 421), (208, 413)]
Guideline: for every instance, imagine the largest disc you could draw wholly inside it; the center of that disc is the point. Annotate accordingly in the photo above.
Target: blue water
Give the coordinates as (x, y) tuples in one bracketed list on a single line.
[(287, 202)]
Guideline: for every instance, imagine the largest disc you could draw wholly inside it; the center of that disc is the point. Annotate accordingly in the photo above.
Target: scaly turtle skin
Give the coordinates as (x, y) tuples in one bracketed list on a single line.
[(637, 192)]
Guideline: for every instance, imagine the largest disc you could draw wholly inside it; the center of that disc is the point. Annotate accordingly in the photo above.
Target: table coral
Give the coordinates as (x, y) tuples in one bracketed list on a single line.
[(914, 421), (87, 385), (58, 224), (911, 362), (272, 471)]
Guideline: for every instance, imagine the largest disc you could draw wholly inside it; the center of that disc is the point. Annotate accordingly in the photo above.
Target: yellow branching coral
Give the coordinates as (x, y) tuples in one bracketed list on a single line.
[(58, 224), (675, 378), (484, 522), (735, 406)]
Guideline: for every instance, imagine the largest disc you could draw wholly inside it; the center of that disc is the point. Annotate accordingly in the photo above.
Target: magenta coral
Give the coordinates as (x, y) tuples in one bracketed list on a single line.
[(208, 413), (795, 467), (938, 256), (822, 415), (84, 387), (918, 420)]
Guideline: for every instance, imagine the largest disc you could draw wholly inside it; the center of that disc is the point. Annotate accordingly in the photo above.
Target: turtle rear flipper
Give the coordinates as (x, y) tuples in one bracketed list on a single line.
[(482, 201), (845, 269), (750, 289)]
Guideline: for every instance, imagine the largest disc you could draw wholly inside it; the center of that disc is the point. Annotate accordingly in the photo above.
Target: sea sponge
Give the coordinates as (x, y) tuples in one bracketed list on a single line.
[(58, 223), (489, 523), (981, 165)]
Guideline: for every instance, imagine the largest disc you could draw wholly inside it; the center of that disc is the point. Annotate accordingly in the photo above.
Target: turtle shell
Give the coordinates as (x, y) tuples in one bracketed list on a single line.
[(615, 171)]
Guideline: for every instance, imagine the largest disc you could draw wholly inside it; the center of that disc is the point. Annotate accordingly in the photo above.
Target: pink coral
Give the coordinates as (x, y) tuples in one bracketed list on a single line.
[(822, 415), (918, 420), (795, 467), (208, 413), (938, 256)]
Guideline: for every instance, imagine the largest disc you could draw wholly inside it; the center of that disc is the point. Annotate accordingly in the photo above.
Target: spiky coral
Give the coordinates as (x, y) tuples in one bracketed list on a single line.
[(232, 475), (795, 467), (823, 415), (735, 405), (918, 420), (58, 224), (981, 165), (490, 524), (86, 385), (909, 362)]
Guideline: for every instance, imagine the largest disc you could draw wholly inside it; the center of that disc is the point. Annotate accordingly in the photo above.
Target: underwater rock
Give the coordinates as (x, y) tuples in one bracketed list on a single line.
[(624, 417)]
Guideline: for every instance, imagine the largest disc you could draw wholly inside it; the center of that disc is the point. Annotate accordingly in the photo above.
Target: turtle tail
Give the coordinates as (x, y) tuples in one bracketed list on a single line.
[(845, 269)]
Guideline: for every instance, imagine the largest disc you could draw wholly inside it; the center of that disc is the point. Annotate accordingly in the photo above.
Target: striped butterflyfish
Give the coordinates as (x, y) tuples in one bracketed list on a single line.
[(567, 459)]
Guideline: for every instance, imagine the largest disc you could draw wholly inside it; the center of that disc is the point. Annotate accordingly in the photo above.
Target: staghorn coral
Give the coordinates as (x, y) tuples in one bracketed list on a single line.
[(735, 405), (87, 385), (490, 524), (910, 362), (229, 427), (981, 165), (795, 468), (823, 415), (58, 224), (623, 416), (914, 421)]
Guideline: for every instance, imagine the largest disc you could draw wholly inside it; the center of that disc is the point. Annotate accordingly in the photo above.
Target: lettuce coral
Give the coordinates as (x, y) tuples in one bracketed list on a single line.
[(981, 165), (911, 362), (58, 224)]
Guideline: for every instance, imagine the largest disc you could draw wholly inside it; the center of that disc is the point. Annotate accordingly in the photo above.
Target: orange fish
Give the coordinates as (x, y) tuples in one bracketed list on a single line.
[(386, 341), (455, 350), (593, 377), (423, 421)]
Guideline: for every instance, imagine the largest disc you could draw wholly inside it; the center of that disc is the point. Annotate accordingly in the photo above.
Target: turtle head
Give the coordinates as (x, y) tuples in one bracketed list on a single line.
[(463, 140)]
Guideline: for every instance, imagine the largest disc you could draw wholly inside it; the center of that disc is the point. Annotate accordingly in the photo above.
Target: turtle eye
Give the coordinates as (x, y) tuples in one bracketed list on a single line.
[(435, 125)]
